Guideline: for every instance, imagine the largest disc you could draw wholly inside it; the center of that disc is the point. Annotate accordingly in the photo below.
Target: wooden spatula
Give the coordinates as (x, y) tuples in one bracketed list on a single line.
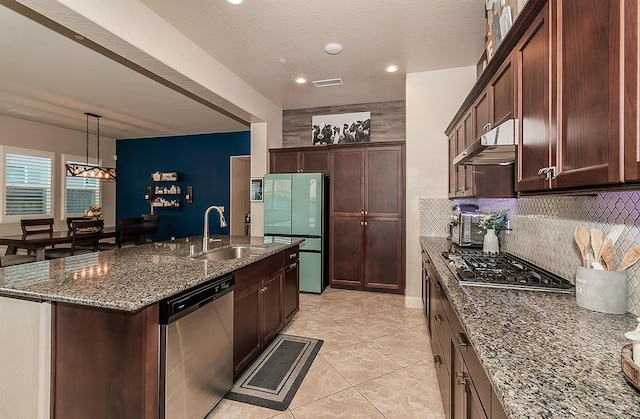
[(596, 243), (581, 236), (631, 257), (607, 254)]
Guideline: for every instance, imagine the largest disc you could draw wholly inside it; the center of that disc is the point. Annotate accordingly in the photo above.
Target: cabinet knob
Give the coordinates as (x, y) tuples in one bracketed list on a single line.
[(292, 266), (362, 212), (293, 255), (361, 223), (462, 380), (461, 189), (438, 318)]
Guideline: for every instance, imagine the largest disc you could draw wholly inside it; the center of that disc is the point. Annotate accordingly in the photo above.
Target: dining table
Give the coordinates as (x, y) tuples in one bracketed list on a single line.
[(39, 241)]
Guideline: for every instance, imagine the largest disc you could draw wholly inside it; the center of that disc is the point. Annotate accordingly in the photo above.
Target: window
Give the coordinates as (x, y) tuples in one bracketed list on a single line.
[(27, 191), (81, 193)]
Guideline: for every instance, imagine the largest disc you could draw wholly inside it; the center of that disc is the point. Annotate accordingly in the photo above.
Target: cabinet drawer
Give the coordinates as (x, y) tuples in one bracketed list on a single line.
[(249, 275), (476, 372)]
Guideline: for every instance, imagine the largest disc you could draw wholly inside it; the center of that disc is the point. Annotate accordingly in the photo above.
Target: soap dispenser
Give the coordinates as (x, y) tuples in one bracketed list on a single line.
[(635, 337)]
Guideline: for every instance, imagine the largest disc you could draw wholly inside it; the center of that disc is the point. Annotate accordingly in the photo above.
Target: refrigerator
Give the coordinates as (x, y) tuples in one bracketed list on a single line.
[(297, 206)]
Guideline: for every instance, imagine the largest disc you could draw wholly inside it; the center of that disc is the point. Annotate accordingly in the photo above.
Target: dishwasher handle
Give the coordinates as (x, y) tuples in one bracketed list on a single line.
[(182, 304)]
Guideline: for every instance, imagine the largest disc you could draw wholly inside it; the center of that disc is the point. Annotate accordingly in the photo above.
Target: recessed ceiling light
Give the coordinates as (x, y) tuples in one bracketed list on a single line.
[(301, 80), (333, 48), (283, 60), (235, 1), (391, 69)]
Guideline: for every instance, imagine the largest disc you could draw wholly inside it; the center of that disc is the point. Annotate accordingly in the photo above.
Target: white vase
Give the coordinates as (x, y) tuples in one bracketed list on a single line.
[(491, 243)]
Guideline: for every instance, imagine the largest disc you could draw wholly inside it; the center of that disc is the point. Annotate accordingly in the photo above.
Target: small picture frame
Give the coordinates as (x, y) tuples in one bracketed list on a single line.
[(255, 190)]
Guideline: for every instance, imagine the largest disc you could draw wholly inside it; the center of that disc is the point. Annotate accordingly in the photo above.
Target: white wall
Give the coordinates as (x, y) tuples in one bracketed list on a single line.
[(17, 132), (25, 369), (432, 99)]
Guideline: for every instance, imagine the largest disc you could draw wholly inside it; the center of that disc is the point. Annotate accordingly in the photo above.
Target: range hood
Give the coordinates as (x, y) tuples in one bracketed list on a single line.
[(497, 146)]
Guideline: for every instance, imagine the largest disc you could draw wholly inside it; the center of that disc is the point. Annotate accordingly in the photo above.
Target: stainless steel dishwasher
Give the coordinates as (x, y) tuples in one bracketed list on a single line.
[(196, 349)]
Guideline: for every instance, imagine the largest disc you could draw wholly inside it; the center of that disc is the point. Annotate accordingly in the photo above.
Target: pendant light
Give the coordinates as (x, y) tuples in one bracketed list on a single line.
[(89, 170)]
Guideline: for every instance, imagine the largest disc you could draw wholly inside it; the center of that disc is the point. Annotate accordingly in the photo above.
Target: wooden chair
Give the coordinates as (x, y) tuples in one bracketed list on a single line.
[(71, 220), (150, 227), (85, 236), (36, 226), (130, 232)]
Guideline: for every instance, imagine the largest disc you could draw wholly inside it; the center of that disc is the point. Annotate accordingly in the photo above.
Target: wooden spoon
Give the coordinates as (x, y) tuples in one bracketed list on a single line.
[(631, 257), (596, 243), (581, 236), (607, 254)]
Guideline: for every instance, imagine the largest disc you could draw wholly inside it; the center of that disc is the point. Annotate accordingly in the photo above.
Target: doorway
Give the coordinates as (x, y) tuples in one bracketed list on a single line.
[(239, 193)]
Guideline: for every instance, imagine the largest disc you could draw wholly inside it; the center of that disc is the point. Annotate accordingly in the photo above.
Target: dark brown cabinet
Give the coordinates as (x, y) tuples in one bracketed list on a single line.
[(502, 88), (569, 78), (631, 91), (264, 292), (367, 217), (299, 160), (464, 386)]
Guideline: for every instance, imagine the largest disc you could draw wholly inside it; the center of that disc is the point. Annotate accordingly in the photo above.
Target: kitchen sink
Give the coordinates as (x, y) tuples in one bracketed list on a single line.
[(234, 252)]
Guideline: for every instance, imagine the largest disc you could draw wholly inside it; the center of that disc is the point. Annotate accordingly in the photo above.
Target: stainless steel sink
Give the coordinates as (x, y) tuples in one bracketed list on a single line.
[(234, 252)]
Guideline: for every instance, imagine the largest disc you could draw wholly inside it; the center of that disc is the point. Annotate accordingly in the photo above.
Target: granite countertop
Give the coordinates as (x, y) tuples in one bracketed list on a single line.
[(545, 356), (128, 279)]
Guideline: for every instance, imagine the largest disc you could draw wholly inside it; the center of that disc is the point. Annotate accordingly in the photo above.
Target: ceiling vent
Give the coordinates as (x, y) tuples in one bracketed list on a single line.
[(328, 82)]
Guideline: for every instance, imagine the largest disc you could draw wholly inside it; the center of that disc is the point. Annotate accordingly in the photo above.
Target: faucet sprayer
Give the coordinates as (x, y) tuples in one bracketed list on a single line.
[(223, 224)]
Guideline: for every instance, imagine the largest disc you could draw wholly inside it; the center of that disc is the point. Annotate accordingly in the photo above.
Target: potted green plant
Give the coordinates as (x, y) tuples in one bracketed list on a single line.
[(493, 223)]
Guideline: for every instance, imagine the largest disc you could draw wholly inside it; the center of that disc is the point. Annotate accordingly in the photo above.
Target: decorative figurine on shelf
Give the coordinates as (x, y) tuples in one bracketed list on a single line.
[(493, 223)]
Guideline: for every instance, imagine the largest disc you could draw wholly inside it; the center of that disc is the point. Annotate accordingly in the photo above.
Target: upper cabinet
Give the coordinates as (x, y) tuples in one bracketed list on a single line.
[(299, 160), (631, 90), (568, 73)]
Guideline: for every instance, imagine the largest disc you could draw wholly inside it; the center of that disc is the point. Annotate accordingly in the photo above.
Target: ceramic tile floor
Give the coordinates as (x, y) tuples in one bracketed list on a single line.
[(375, 362)]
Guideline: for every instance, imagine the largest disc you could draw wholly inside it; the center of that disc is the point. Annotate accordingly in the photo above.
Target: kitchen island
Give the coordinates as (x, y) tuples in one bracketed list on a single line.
[(543, 355), (100, 310)]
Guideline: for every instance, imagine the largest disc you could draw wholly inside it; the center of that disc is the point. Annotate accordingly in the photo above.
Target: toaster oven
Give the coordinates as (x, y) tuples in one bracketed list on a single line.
[(465, 230)]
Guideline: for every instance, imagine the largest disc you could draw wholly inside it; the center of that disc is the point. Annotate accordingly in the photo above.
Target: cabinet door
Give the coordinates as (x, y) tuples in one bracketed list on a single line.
[(453, 180), (631, 66), (534, 106), (347, 183), (461, 171), (283, 161), (291, 295), (246, 326), (347, 251), (469, 171), (480, 110), (443, 374), (588, 141), (384, 181), (383, 253), (502, 88), (314, 161), (272, 310), (458, 384)]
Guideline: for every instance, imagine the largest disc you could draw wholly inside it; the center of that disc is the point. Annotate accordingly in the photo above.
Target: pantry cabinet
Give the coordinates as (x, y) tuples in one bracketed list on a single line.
[(367, 217)]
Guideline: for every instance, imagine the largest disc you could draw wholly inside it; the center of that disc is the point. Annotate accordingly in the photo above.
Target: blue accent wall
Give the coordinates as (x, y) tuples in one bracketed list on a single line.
[(202, 161)]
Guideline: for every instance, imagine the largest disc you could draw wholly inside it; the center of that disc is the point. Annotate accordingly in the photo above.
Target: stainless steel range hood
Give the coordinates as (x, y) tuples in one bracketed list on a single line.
[(497, 146)]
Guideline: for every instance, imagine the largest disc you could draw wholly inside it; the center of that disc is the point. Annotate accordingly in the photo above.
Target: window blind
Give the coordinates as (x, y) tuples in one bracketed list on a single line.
[(81, 192), (28, 185)]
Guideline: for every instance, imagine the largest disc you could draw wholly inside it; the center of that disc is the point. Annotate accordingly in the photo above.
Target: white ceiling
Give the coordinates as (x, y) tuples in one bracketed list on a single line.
[(58, 79)]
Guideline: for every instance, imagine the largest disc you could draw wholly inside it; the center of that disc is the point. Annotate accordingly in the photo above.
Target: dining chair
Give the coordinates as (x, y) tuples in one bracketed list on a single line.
[(150, 227), (85, 236), (71, 220), (36, 226), (129, 233)]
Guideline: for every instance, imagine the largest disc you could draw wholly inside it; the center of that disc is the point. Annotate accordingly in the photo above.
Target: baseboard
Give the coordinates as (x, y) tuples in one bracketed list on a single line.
[(413, 302)]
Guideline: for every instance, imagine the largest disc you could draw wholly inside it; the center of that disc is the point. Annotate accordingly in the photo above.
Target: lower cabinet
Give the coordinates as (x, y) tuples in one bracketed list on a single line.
[(266, 297), (464, 386)]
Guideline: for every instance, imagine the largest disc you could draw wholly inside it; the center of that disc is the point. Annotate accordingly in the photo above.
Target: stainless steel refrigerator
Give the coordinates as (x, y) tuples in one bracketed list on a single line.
[(297, 205)]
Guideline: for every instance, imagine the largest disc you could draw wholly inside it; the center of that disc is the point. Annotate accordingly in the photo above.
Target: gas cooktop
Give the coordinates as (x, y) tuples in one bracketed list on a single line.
[(503, 270)]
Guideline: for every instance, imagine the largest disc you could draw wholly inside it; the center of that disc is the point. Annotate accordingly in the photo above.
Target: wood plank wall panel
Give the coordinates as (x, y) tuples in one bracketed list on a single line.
[(387, 121)]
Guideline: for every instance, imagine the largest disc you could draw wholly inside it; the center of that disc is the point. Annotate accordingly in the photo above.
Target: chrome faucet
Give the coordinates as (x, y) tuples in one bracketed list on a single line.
[(223, 224)]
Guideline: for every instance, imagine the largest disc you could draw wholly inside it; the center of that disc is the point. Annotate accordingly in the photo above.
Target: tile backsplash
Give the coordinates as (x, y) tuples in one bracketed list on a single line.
[(542, 228)]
